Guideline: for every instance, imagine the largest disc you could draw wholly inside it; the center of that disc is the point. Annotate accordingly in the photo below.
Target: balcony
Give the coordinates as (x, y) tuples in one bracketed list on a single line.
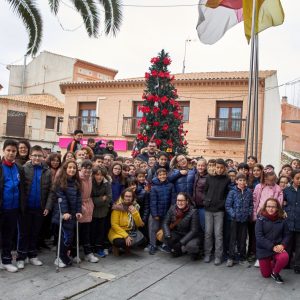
[(16, 131), (89, 125), (130, 127), (226, 129)]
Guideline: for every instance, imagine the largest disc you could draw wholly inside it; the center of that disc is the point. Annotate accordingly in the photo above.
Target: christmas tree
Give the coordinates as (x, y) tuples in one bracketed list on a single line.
[(162, 115)]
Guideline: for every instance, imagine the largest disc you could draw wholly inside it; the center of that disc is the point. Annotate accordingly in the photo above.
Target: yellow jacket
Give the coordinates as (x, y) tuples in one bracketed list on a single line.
[(120, 224)]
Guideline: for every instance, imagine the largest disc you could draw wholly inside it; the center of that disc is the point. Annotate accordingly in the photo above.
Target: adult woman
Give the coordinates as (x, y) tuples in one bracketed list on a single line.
[(181, 228), (272, 236), (181, 176), (125, 219), (23, 152)]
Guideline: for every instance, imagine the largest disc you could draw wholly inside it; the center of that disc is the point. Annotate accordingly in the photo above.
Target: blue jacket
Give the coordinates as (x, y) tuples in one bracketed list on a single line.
[(117, 188), (71, 201), (142, 197), (162, 195), (183, 183), (239, 205), (12, 187), (292, 207), (269, 234)]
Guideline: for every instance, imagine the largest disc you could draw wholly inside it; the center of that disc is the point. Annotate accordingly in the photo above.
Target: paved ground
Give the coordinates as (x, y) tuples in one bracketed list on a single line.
[(141, 276)]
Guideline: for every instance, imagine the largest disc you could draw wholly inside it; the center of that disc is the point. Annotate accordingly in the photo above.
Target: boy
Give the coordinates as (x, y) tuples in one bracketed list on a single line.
[(232, 175), (98, 161), (162, 195), (107, 161), (75, 144), (216, 190), (243, 168), (37, 191), (12, 193), (162, 162), (239, 206)]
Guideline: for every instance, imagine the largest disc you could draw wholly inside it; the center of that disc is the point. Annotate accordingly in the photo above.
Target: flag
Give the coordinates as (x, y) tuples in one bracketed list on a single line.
[(214, 22), (235, 4), (268, 13)]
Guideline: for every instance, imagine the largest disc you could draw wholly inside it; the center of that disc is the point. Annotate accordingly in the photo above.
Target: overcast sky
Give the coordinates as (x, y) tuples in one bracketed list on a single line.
[(145, 31)]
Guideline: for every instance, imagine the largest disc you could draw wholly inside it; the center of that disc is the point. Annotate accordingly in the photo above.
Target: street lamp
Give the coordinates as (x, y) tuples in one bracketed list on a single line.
[(186, 41)]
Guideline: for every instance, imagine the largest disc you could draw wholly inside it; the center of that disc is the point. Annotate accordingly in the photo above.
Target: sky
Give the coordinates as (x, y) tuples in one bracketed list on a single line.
[(145, 31)]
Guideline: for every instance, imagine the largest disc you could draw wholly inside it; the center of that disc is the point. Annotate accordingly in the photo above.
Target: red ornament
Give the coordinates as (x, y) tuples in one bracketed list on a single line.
[(164, 112), (155, 98), (155, 123), (139, 136), (164, 99), (176, 114), (144, 120), (185, 143), (158, 142), (172, 102), (147, 75), (154, 60), (172, 77), (154, 73), (150, 97), (155, 110), (167, 61), (161, 74), (145, 139), (165, 127), (170, 143)]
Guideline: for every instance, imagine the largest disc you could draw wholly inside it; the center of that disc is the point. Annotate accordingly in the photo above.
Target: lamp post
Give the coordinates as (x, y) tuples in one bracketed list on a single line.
[(183, 67)]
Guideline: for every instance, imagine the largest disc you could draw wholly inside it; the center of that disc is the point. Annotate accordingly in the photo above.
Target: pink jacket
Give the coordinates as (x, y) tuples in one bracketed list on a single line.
[(262, 193), (87, 201)]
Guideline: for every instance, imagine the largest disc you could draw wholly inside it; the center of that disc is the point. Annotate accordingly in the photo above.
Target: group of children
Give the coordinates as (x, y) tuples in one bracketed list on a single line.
[(83, 186)]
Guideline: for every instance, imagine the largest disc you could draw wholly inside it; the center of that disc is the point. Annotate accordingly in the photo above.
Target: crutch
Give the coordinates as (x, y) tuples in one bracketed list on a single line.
[(59, 200), (77, 243)]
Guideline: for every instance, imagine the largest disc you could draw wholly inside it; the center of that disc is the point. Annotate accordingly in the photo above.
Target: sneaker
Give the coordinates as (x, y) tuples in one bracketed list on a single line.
[(256, 265), (91, 258), (35, 261), (147, 248), (229, 263), (20, 264), (76, 260), (207, 258), (152, 250), (106, 251), (218, 261), (244, 263), (164, 248), (10, 268), (58, 262), (277, 278), (101, 253)]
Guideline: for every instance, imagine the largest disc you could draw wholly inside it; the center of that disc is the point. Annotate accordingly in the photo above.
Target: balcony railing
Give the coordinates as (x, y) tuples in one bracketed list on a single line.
[(130, 127), (17, 131), (226, 128), (89, 125)]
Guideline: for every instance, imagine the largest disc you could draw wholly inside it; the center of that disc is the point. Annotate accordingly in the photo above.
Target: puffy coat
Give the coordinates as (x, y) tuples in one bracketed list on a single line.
[(120, 225), (99, 190), (188, 227), (152, 172), (117, 188), (199, 190), (108, 151), (71, 201), (183, 183), (269, 234), (292, 207), (162, 195), (216, 190), (87, 202), (262, 193), (142, 197), (37, 189), (239, 204)]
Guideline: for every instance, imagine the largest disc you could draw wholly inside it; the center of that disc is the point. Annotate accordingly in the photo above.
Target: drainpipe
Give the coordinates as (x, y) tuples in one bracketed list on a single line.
[(23, 75)]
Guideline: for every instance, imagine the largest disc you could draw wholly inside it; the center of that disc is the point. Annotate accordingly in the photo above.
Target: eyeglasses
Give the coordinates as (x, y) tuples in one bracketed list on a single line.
[(37, 155)]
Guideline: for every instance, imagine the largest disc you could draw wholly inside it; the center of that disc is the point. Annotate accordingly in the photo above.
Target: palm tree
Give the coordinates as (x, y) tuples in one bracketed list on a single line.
[(31, 17)]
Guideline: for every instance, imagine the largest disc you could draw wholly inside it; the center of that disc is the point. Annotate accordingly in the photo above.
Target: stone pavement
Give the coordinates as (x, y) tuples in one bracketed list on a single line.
[(142, 276)]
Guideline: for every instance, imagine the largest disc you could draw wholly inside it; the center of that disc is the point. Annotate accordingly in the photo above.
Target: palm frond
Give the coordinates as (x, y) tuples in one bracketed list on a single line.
[(30, 15), (88, 11), (113, 15), (54, 5)]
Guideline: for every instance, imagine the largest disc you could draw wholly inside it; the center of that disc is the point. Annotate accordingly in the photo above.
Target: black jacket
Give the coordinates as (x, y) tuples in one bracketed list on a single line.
[(216, 190), (188, 227), (112, 152)]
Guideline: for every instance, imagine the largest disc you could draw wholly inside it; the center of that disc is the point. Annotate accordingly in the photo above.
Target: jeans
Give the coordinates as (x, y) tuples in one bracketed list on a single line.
[(97, 232), (273, 264), (67, 236), (238, 237), (154, 226), (84, 237), (214, 231), (201, 212), (294, 245)]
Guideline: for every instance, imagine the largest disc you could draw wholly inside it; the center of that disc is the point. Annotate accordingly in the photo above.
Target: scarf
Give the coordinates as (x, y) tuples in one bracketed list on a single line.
[(7, 163), (272, 218)]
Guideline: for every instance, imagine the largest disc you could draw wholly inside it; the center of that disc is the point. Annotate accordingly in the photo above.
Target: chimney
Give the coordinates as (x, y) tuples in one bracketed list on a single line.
[(284, 99)]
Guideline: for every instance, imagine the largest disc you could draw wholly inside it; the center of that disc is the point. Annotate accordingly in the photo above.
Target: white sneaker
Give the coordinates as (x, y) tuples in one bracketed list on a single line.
[(20, 264), (91, 258), (256, 265), (58, 262), (76, 260), (10, 268), (35, 261)]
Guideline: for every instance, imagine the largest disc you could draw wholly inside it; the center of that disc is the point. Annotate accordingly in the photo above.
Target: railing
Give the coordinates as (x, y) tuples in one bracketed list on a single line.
[(17, 131), (130, 127), (226, 128), (89, 125)]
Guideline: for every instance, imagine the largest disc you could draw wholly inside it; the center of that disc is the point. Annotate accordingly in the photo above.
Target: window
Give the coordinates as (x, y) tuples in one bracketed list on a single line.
[(136, 116), (60, 121), (229, 119), (185, 108), (87, 117), (50, 122), (15, 124)]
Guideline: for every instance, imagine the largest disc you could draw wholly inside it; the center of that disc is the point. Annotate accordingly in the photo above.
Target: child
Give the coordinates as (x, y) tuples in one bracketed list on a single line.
[(87, 210), (80, 154), (68, 156), (151, 161), (118, 181), (75, 144), (109, 149), (88, 152), (54, 163), (136, 162), (216, 190), (98, 160), (107, 161), (251, 161), (229, 163), (101, 195), (125, 171), (38, 186), (239, 206), (256, 176), (295, 163), (232, 176), (132, 170), (12, 182), (143, 165), (286, 170), (162, 162), (243, 168), (211, 167), (128, 161), (67, 188), (162, 195), (283, 182), (292, 208)]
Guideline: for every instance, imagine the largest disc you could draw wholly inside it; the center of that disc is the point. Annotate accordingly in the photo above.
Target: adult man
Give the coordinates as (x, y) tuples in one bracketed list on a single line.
[(110, 149), (151, 150)]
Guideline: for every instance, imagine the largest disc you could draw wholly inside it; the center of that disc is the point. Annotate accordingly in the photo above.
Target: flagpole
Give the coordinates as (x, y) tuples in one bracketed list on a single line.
[(250, 81), (256, 95)]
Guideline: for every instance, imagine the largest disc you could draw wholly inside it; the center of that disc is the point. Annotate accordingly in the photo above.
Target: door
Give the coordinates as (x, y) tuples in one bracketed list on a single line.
[(137, 115), (87, 117), (15, 124)]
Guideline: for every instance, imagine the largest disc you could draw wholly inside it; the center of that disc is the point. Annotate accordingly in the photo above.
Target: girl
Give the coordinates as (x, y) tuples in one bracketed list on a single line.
[(283, 182), (101, 195), (68, 156), (118, 182), (257, 176), (54, 163), (292, 208), (295, 163), (272, 236), (67, 188), (88, 152), (132, 184)]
